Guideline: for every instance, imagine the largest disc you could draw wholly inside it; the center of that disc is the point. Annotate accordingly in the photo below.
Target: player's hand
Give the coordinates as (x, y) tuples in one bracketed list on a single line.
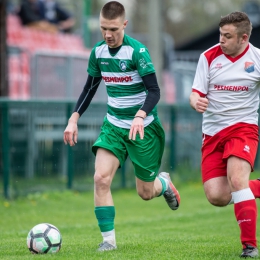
[(70, 135), (201, 105), (137, 127)]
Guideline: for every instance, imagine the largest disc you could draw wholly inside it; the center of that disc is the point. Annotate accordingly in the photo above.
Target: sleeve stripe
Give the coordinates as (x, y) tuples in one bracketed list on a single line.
[(201, 94)]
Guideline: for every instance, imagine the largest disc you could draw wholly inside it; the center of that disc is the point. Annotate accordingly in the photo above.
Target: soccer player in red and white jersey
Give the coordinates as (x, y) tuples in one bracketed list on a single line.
[(226, 91)]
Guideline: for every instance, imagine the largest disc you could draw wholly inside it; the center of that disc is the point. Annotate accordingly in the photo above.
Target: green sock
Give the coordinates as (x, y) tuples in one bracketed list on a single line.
[(105, 217), (164, 186)]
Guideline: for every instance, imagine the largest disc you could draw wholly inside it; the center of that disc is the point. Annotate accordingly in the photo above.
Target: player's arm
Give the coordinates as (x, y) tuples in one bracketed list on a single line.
[(71, 132), (198, 101), (87, 94), (152, 98)]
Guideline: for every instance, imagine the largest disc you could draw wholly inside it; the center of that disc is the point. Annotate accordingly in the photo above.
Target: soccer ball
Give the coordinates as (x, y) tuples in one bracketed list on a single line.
[(44, 238)]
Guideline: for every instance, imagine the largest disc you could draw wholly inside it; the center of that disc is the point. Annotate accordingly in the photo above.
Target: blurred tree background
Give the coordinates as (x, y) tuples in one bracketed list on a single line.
[(182, 19), (186, 19), (162, 25)]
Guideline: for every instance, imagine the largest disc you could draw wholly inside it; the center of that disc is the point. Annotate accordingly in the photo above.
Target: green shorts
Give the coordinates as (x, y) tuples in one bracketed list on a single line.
[(146, 154)]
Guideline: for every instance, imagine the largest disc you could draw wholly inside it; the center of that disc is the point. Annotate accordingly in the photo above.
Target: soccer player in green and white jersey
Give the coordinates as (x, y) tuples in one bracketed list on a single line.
[(131, 126)]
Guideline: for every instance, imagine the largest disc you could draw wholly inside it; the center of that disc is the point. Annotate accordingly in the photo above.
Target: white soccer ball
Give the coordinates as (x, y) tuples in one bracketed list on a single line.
[(44, 238)]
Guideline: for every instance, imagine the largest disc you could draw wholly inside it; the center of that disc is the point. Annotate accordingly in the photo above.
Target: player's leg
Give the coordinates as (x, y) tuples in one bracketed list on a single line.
[(214, 172), (106, 165), (110, 154), (241, 152), (255, 184), (255, 187), (217, 191), (245, 208), (222, 163), (162, 185), (148, 190), (146, 155)]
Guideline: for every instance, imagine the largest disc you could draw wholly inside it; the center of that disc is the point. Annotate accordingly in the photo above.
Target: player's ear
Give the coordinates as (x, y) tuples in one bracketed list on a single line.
[(244, 38), (125, 23)]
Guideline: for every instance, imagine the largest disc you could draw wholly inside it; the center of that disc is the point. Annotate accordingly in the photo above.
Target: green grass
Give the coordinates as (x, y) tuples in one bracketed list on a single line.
[(145, 230)]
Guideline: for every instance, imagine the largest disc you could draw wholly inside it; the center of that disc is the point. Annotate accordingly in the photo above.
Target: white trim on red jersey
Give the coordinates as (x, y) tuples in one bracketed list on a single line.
[(231, 85)]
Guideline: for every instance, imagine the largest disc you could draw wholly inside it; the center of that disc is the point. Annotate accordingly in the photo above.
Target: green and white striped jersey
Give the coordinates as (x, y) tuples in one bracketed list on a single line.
[(122, 74)]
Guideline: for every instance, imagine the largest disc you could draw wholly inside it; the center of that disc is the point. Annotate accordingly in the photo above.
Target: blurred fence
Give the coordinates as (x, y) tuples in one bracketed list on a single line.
[(34, 157), (182, 65), (60, 76), (48, 75)]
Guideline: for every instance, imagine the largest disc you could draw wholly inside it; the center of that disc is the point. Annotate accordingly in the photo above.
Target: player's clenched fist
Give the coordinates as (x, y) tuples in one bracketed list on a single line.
[(200, 104)]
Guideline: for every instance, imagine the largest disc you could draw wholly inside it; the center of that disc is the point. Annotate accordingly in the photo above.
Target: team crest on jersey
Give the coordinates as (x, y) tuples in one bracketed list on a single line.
[(123, 65), (249, 66)]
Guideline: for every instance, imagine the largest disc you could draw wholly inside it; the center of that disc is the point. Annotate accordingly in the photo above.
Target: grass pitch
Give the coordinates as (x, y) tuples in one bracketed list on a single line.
[(144, 229)]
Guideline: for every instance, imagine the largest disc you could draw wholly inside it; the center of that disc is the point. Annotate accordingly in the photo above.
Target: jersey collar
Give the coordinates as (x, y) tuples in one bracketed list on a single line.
[(237, 57)]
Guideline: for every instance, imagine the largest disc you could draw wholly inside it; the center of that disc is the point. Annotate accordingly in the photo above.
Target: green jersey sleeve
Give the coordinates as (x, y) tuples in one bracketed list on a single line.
[(93, 68), (143, 61)]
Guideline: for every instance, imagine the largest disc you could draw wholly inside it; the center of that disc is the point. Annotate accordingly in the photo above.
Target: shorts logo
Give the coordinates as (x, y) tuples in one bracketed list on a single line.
[(249, 66), (243, 220), (123, 65), (152, 174), (247, 149)]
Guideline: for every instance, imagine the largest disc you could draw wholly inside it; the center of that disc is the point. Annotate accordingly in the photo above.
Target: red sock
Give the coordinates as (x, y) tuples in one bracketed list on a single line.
[(255, 187), (246, 215)]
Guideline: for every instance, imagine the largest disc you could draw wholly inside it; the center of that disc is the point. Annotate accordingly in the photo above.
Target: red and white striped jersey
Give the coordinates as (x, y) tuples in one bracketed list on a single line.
[(231, 85)]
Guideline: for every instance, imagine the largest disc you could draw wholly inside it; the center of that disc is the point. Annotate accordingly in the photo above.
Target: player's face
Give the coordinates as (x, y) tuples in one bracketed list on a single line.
[(230, 42), (113, 31)]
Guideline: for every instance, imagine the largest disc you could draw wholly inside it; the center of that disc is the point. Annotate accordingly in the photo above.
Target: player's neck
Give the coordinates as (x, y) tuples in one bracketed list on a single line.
[(113, 51), (241, 51)]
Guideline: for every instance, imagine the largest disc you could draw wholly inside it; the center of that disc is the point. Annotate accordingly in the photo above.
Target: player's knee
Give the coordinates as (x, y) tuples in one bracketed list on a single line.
[(101, 180), (218, 201), (237, 183), (145, 195)]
